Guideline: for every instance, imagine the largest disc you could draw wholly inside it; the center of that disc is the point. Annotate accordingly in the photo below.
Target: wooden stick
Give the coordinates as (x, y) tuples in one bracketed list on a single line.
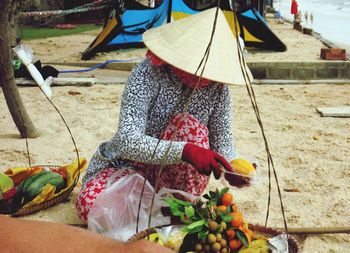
[(323, 230)]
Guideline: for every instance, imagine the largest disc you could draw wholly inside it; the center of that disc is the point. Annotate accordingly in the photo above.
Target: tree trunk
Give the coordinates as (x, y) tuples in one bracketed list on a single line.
[(7, 80)]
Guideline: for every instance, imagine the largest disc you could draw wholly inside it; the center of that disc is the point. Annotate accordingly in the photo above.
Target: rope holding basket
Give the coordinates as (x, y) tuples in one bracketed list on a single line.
[(48, 195)]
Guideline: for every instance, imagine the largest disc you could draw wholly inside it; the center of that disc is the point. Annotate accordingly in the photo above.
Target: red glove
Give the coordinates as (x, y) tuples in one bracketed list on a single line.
[(204, 160)]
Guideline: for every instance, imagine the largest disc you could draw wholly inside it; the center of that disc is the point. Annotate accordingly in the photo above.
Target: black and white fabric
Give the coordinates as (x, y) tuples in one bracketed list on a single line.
[(151, 97)]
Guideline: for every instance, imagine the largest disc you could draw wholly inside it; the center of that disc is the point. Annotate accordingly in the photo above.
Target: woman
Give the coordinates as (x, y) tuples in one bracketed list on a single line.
[(153, 130)]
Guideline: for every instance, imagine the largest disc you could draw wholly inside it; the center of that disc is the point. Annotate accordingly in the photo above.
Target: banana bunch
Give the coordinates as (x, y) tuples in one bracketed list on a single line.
[(257, 246), (175, 240), (242, 166), (6, 183), (155, 238)]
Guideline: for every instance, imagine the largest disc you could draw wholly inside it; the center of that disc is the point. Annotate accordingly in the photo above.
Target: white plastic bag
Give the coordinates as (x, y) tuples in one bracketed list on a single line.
[(114, 212), (25, 54)]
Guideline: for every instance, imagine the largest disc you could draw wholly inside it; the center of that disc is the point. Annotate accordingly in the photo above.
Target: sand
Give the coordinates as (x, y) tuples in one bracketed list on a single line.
[(67, 49), (311, 153)]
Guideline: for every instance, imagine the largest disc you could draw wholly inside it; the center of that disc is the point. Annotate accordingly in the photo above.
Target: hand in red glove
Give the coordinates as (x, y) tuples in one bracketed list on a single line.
[(204, 160)]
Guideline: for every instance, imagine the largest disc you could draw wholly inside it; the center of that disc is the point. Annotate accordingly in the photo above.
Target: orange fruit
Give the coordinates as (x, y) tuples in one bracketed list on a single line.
[(230, 234), (237, 220), (234, 208), (223, 208), (235, 244), (227, 199)]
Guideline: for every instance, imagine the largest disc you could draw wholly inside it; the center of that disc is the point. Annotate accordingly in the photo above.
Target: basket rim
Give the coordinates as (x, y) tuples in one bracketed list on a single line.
[(46, 204)]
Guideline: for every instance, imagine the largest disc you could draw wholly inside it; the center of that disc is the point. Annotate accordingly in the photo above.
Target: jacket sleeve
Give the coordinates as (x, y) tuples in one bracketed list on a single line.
[(131, 141), (219, 126)]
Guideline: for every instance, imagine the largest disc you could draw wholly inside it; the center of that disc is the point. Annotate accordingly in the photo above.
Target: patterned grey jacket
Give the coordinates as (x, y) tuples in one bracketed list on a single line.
[(151, 96)]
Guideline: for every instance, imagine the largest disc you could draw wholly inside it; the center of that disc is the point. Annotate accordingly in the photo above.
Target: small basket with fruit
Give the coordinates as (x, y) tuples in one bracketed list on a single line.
[(214, 225), (27, 190)]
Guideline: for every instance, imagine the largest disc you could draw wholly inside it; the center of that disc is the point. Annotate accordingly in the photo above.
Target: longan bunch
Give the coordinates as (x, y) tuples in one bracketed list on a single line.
[(215, 241)]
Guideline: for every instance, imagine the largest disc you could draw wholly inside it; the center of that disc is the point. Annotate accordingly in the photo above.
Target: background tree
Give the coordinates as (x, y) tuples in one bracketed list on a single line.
[(8, 28)]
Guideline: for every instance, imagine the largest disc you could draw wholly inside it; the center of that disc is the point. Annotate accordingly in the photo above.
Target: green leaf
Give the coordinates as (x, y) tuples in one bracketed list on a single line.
[(196, 230), (223, 191), (189, 211), (181, 202), (212, 202), (195, 224), (221, 213), (206, 196), (175, 208), (229, 209), (227, 218), (203, 213), (242, 237), (185, 221), (212, 194), (202, 234)]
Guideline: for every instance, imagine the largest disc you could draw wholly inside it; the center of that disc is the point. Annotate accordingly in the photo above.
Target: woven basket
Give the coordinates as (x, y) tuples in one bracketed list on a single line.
[(56, 200), (294, 246)]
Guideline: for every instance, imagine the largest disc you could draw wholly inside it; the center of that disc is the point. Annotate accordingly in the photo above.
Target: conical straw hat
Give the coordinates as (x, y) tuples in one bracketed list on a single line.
[(184, 42)]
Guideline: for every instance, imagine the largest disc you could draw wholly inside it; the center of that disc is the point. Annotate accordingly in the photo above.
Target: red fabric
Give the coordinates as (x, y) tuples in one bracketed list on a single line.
[(204, 160), (181, 176), (155, 60), (92, 190), (188, 79), (294, 7)]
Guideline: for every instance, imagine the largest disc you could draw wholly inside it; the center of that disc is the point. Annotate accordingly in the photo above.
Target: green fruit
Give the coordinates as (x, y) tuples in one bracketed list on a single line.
[(213, 226), (6, 183), (206, 247), (211, 238), (224, 250), (198, 247), (223, 243), (224, 225), (33, 185), (216, 247), (218, 237)]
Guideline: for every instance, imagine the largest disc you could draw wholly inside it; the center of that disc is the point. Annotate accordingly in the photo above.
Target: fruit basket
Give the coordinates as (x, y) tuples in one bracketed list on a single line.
[(37, 188), (294, 245), (215, 224)]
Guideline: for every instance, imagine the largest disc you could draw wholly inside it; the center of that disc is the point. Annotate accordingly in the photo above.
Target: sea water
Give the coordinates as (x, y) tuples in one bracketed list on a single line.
[(331, 18)]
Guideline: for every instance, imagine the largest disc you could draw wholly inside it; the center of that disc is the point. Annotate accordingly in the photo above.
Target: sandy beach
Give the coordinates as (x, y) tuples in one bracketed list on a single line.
[(301, 47), (311, 153)]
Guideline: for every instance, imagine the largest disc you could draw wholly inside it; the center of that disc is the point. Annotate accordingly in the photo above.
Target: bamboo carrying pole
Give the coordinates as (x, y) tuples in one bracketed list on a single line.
[(321, 230)]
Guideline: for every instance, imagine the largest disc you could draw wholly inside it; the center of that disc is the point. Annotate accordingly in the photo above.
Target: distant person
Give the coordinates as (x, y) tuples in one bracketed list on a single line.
[(311, 18), (306, 17), (294, 8)]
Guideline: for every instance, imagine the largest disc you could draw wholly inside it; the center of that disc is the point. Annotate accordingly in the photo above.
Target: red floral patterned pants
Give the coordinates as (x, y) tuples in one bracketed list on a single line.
[(181, 176)]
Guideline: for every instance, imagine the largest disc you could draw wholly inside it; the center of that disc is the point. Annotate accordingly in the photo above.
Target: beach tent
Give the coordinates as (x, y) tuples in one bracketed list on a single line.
[(125, 26), (256, 33), (129, 19)]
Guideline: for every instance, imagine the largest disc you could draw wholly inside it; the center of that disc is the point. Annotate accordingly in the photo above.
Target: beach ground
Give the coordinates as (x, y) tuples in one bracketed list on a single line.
[(311, 153), (68, 49)]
